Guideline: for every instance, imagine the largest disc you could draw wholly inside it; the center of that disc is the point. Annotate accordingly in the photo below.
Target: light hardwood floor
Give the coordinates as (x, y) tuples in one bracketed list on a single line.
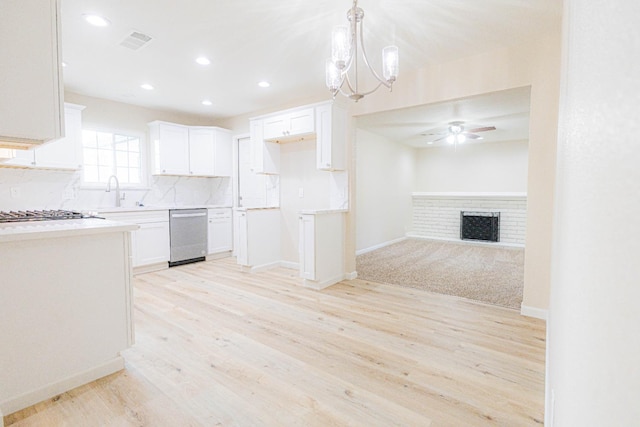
[(215, 346)]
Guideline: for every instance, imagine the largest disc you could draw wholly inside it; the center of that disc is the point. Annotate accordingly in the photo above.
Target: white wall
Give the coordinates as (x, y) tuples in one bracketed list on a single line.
[(298, 172), (479, 167), (594, 320), (384, 182)]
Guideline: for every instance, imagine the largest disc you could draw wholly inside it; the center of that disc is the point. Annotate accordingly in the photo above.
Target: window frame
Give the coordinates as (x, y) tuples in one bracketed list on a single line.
[(144, 179)]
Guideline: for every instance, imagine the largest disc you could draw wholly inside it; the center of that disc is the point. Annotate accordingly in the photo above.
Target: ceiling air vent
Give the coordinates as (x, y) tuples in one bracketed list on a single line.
[(135, 40)]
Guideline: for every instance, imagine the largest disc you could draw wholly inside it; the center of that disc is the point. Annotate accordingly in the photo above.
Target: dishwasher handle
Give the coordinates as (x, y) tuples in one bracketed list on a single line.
[(189, 215)]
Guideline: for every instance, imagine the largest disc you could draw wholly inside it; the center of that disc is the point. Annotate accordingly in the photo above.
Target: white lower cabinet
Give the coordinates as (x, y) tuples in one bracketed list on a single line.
[(150, 242), (220, 231), (321, 248), (258, 238)]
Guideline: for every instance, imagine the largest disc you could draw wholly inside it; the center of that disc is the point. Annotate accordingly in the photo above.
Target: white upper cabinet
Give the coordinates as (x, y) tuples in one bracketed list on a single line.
[(265, 154), (169, 148), (331, 130), (64, 153), (210, 151), (289, 125), (190, 150), (31, 90)]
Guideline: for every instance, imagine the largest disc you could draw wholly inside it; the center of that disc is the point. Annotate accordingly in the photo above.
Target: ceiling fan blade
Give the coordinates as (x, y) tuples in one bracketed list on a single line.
[(438, 139), (471, 135), (482, 129)]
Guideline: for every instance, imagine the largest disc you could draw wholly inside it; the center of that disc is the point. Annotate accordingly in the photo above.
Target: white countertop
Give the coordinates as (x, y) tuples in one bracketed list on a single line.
[(13, 231), (322, 211), (153, 208)]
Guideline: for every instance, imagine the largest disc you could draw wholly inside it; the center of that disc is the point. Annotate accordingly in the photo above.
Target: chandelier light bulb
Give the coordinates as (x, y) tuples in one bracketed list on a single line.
[(341, 71)]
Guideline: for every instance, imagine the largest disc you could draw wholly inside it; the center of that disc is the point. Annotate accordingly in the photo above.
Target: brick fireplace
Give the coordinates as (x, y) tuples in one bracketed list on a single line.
[(437, 215)]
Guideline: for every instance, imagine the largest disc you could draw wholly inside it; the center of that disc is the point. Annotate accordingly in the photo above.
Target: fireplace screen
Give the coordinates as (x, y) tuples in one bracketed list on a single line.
[(480, 226)]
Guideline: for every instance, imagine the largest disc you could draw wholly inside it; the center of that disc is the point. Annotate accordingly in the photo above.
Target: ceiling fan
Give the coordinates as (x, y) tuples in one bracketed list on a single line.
[(456, 133)]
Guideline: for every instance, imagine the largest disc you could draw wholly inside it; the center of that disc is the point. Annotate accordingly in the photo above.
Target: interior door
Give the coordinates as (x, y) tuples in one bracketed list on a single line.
[(251, 186)]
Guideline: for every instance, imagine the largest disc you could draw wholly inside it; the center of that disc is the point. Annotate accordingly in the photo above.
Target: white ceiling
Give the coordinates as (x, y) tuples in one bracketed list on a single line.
[(507, 111), (285, 42)]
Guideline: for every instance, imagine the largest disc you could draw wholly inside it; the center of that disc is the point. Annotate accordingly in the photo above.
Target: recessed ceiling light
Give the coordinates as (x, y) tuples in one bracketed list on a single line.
[(97, 20), (146, 86), (264, 84), (64, 64), (207, 102), (203, 60)]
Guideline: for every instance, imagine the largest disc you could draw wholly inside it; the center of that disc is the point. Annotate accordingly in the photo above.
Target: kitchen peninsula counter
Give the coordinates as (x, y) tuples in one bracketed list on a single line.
[(65, 306)]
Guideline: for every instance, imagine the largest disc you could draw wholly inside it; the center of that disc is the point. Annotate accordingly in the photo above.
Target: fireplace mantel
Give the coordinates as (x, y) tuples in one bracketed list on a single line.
[(474, 195)]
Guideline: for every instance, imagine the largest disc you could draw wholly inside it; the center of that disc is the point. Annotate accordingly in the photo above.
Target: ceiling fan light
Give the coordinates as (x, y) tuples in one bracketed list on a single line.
[(451, 139), (460, 138)]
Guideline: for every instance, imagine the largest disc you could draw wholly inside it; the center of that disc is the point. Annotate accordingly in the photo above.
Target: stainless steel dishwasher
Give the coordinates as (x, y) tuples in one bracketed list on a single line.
[(188, 231)]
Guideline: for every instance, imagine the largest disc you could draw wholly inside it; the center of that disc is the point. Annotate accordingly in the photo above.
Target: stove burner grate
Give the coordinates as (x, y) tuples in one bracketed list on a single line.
[(39, 215)]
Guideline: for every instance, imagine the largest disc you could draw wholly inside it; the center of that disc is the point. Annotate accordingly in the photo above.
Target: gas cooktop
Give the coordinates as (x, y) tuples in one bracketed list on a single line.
[(39, 215)]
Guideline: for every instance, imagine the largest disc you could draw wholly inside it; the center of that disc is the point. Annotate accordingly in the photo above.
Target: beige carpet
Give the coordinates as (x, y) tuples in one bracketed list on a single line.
[(493, 275)]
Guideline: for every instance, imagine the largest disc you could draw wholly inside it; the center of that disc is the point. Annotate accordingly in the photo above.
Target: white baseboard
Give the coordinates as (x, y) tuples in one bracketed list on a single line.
[(322, 285), (150, 268), (289, 264), (351, 276), (466, 242), (219, 255), (50, 390), (263, 267), (538, 313), (378, 246)]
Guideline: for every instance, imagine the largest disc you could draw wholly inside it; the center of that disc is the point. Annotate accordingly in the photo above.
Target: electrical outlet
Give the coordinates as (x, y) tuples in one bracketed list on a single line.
[(15, 192)]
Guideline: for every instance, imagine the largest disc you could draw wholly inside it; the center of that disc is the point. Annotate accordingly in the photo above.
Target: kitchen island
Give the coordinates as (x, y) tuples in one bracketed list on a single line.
[(65, 306)]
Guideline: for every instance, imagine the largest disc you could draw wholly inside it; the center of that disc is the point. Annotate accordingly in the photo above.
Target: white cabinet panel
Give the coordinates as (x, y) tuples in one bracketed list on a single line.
[(190, 150), (64, 153), (170, 148), (266, 155), (289, 125), (259, 238), (220, 237), (331, 127), (321, 249), (31, 90), (150, 242)]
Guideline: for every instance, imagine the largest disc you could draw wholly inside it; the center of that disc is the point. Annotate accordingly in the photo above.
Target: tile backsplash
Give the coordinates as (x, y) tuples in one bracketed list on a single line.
[(52, 189)]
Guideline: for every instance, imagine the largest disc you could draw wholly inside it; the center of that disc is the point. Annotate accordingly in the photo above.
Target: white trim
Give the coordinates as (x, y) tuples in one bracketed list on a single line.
[(538, 313), (351, 276), (263, 267), (313, 284), (460, 195), (466, 242), (380, 245), (289, 264), (50, 390)]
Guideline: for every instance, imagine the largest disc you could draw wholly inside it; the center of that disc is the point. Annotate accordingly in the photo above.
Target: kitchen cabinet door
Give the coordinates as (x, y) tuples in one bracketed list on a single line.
[(220, 237), (243, 243), (321, 249), (331, 130), (170, 148), (307, 247), (31, 91), (289, 125), (64, 153), (266, 155), (150, 243), (202, 151)]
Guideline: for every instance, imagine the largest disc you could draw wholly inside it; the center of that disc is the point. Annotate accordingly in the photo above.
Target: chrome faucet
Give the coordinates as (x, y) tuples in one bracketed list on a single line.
[(117, 189)]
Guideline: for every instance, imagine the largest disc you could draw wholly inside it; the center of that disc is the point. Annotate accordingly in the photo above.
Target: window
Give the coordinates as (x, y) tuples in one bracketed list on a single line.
[(105, 154)]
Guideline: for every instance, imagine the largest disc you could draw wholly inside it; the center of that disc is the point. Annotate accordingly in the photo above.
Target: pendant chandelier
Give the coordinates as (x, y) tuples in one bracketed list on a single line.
[(344, 58)]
